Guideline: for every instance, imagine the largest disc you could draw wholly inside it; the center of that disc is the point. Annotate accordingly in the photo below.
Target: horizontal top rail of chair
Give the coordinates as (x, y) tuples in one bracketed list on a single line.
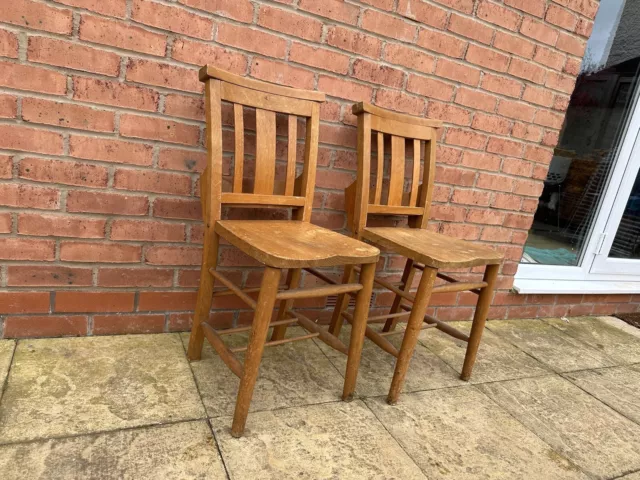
[(273, 343), (234, 288), (364, 107), (401, 129), (321, 291), (209, 71), (394, 210), (458, 287), (249, 199), (265, 100)]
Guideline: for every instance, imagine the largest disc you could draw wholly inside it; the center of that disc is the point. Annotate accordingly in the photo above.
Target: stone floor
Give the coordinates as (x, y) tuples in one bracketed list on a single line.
[(549, 399)]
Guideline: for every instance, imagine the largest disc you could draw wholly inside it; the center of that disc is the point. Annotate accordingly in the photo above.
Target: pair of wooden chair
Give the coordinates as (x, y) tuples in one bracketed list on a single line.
[(297, 245)]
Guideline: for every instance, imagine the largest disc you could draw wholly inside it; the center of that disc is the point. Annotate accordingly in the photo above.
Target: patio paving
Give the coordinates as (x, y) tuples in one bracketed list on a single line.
[(548, 400)]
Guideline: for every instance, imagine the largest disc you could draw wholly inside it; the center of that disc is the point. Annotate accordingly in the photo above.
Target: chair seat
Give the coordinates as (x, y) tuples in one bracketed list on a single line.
[(294, 244), (433, 249)]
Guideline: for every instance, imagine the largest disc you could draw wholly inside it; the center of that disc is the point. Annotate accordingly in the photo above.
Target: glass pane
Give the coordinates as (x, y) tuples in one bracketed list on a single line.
[(595, 122), (626, 243)]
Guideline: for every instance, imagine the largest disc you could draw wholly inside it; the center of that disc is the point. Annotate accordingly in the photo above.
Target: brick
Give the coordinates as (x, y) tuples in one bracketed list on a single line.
[(45, 326), (163, 75), (448, 213), (48, 276), (163, 301), (387, 25), (480, 161), (107, 150), (491, 124), (377, 73), (549, 119), (62, 53), (112, 8), (127, 324), (430, 87), (550, 58), (177, 105), (24, 302), (47, 112), (550, 138), (60, 226), (80, 302), (37, 16), (490, 181), (471, 197), (290, 23), (588, 8), (8, 106), (201, 53), (174, 19), (441, 43), (534, 7), (100, 252), (28, 196), (159, 255), (6, 166), (282, 73), (135, 277), (409, 57), (538, 95), (584, 28), (151, 128), (449, 113), (14, 137), (516, 110), (423, 12), (6, 222), (354, 41), (538, 154), (333, 9), (33, 79), (470, 28), (177, 208), (241, 10), (147, 231), (557, 81), (152, 181), (514, 44), (572, 66), (506, 201), (502, 146), (252, 40), (556, 15), (120, 35), (465, 138), (8, 44), (526, 131), (319, 57), (475, 99), (400, 102), (539, 31), (462, 231), (465, 6), (487, 57), (346, 89), (498, 15), (495, 234), (502, 85), (95, 90), (485, 216), (458, 72), (527, 70), (516, 220), (185, 160), (561, 102), (381, 4), (518, 167), (529, 188), (27, 249)]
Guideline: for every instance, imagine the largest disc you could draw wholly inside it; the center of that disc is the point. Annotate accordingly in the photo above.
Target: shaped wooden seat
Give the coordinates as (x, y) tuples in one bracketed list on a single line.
[(432, 249), (426, 252), (279, 244)]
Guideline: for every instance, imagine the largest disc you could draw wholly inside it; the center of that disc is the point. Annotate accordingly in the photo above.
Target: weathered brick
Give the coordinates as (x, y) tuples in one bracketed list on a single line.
[(99, 252), (174, 19), (430, 87), (6, 222), (163, 301), (538, 95), (252, 40), (117, 34), (147, 231), (490, 181), (48, 276), (387, 25), (449, 113), (516, 110), (526, 131), (549, 119), (376, 73), (58, 171), (81, 302), (27, 196), (163, 75), (423, 12), (160, 255), (177, 105), (502, 85), (152, 128), (177, 208), (27, 249), (127, 324), (108, 203), (284, 21), (471, 197), (400, 101), (282, 73), (69, 115), (550, 58), (539, 31), (37, 16), (15, 137), (34, 79), (8, 44), (458, 72), (135, 277), (514, 44), (491, 124), (152, 181), (487, 57), (8, 106), (347, 89), (60, 226), (466, 138), (534, 7), (319, 57), (470, 28), (527, 70), (24, 302), (480, 161), (31, 326), (95, 90), (561, 17), (112, 8), (557, 81), (475, 99), (62, 53), (333, 9), (201, 53), (502, 146), (241, 10), (441, 43), (498, 15), (354, 41)]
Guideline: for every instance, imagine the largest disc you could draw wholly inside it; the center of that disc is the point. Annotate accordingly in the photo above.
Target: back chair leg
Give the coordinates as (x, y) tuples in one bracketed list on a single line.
[(407, 280), (358, 327), (341, 303), (205, 295), (414, 326), (293, 281), (257, 339), (479, 320)]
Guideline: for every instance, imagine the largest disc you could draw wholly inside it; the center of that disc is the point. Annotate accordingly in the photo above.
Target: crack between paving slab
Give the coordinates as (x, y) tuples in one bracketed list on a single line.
[(624, 475), (4, 385)]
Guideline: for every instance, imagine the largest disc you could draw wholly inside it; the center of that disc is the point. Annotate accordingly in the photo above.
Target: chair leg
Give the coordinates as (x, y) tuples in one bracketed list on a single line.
[(414, 325), (341, 303), (205, 294), (358, 327), (293, 280), (407, 280), (479, 320), (257, 339)]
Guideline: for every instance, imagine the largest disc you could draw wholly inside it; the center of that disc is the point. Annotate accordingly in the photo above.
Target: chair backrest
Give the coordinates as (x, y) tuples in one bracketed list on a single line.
[(268, 100), (365, 197)]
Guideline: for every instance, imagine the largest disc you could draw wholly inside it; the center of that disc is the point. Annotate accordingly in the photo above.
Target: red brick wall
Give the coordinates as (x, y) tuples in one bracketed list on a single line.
[(101, 138)]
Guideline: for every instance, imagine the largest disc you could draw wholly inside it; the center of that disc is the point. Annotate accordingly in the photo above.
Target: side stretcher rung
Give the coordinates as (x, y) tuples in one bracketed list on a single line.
[(279, 342), (226, 355)]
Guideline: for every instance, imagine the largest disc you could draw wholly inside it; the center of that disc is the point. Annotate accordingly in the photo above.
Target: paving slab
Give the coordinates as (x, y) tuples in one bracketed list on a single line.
[(331, 441), (550, 346), (497, 359), (6, 353), (618, 387), (292, 374), (177, 451), (619, 345), (70, 386), (630, 476), (459, 433), (589, 433)]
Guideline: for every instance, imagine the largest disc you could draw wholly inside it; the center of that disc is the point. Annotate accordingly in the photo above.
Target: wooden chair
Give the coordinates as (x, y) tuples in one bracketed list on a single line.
[(279, 244), (425, 251)]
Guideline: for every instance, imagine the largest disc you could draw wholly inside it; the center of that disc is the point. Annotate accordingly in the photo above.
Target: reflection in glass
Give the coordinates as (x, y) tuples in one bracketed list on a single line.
[(626, 243)]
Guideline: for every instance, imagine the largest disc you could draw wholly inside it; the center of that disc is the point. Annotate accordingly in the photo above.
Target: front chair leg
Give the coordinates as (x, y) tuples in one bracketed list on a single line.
[(358, 327), (293, 281), (407, 280), (479, 320), (342, 303), (414, 326), (257, 339)]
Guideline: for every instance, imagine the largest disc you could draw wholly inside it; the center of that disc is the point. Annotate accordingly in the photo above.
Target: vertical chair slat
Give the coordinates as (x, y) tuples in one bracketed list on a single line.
[(265, 152), (380, 172), (291, 155), (416, 173), (396, 177), (238, 126)]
